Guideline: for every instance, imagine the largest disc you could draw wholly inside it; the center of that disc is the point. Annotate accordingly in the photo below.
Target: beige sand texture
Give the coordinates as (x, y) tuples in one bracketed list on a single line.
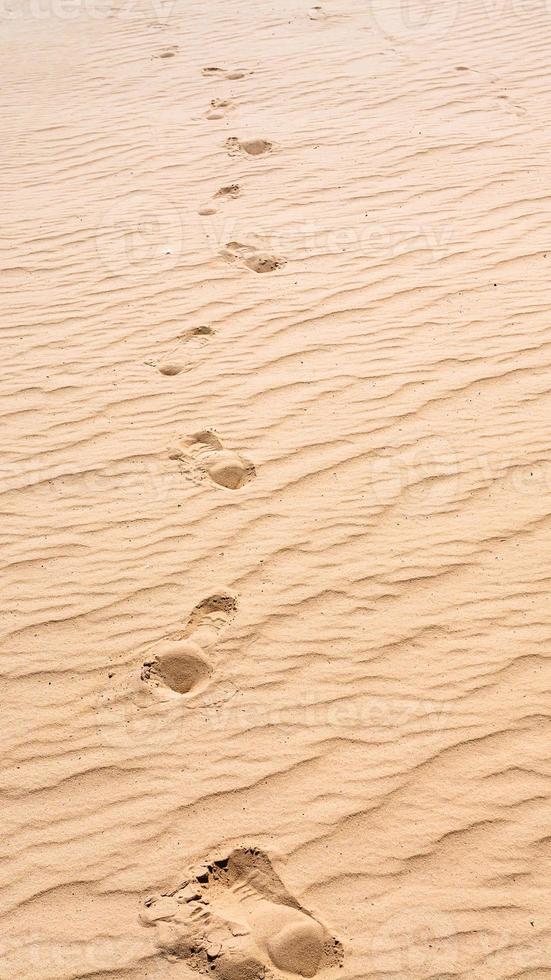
[(275, 490)]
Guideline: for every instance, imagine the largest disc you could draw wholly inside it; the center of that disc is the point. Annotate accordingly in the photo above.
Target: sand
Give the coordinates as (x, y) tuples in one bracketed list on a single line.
[(275, 489)]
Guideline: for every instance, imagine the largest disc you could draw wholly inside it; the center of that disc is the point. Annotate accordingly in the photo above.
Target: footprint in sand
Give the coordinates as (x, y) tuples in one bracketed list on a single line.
[(229, 191), (232, 76), (251, 148), (204, 452), (252, 258), (235, 920), (501, 100), (219, 108), (180, 662), (512, 107), (167, 53), (170, 363)]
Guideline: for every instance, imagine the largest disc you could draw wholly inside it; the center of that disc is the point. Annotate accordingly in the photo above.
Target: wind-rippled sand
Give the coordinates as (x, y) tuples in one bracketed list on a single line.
[(276, 490)]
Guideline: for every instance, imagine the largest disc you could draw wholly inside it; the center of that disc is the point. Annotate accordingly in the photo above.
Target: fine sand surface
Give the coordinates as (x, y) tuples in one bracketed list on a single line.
[(275, 489)]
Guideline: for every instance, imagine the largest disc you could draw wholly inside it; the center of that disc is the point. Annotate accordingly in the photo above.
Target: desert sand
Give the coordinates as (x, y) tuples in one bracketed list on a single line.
[(275, 490)]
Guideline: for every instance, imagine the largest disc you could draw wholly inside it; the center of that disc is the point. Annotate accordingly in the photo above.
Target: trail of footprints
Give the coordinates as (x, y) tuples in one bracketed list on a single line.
[(232, 918), (245, 255)]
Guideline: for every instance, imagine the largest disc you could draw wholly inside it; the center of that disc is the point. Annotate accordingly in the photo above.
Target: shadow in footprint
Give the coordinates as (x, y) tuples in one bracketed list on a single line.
[(168, 53), (233, 75), (234, 918), (170, 370), (181, 662), (205, 452)]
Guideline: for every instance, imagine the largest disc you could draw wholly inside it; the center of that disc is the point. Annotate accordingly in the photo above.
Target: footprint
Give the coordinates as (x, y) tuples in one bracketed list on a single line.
[(219, 108), (234, 75), (231, 190), (168, 53), (170, 364), (179, 666), (170, 370), (234, 919), (252, 148), (204, 451), (499, 99), (513, 107), (193, 332), (225, 193), (252, 258), (180, 662)]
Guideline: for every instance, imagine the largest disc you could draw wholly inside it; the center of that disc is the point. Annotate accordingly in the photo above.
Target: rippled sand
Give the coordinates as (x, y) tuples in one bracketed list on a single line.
[(276, 489)]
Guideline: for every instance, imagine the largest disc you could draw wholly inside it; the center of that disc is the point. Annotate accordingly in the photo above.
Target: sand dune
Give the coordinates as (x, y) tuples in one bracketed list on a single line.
[(276, 489)]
